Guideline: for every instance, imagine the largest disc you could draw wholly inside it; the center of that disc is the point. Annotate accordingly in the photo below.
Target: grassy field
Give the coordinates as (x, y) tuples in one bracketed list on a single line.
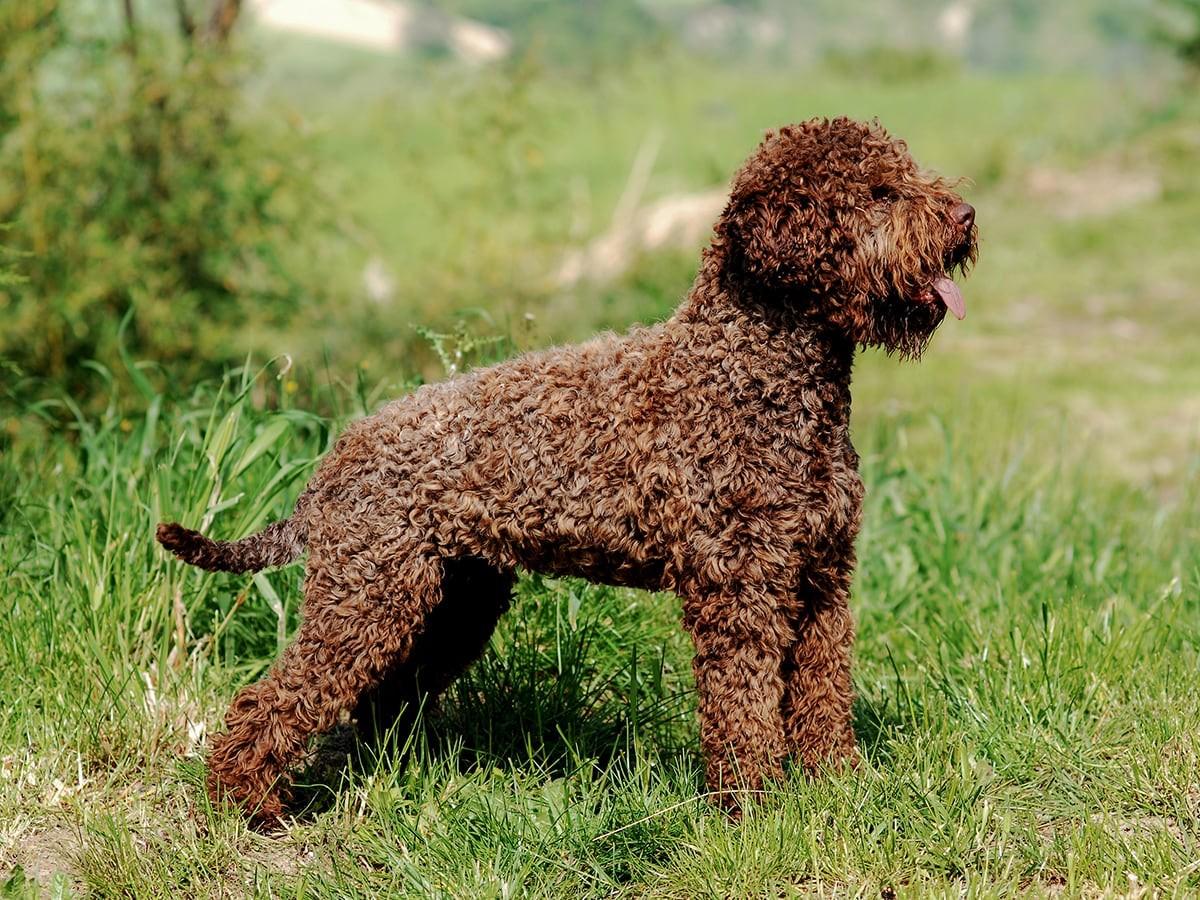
[(1028, 598)]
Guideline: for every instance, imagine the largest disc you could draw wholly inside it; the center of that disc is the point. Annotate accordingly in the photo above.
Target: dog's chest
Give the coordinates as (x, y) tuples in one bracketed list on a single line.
[(817, 472)]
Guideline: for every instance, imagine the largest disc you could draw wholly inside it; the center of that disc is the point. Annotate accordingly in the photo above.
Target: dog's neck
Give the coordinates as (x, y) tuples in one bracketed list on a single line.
[(789, 349)]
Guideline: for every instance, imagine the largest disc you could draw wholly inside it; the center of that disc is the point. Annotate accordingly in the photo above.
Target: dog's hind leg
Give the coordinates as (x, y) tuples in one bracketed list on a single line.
[(361, 619), (474, 596), (818, 694)]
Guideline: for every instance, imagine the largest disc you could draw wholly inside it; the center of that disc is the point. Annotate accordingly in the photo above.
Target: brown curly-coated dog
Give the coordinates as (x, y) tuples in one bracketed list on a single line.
[(708, 455)]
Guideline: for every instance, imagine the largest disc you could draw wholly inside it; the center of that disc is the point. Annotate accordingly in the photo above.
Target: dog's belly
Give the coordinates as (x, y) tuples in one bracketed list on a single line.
[(604, 540), (597, 564)]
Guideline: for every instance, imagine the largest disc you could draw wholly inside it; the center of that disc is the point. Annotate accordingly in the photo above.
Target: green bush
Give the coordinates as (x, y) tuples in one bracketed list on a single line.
[(1177, 25), (131, 183)]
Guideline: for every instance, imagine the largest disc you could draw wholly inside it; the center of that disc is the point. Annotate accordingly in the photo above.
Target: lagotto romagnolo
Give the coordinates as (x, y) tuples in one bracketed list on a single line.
[(708, 455)]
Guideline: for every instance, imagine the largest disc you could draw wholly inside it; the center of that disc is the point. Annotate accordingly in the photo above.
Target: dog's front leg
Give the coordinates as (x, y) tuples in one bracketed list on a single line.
[(818, 695), (739, 636)]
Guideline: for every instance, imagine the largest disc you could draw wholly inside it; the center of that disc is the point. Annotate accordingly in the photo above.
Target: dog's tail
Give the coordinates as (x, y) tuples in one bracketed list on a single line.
[(276, 545)]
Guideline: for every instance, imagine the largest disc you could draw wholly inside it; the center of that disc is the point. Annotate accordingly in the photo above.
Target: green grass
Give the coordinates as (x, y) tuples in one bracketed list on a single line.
[(1028, 594), (1027, 703)]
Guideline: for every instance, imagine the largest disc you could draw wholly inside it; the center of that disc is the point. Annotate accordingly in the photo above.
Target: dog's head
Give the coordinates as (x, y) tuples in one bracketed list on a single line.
[(835, 219)]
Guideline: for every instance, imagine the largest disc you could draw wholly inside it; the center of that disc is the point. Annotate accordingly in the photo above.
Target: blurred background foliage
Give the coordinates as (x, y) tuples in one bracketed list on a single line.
[(237, 187), (131, 183)]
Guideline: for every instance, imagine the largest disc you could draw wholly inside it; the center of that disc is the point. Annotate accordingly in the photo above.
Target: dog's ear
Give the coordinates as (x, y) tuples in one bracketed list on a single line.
[(785, 227), (774, 237)]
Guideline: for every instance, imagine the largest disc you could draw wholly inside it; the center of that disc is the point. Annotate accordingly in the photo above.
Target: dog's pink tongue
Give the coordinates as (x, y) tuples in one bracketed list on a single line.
[(949, 293)]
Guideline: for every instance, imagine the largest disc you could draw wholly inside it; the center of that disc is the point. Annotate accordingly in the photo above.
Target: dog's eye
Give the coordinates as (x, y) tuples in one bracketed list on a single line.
[(883, 193)]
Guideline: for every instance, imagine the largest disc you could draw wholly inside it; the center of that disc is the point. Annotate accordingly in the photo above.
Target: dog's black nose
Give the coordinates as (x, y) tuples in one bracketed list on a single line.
[(964, 215)]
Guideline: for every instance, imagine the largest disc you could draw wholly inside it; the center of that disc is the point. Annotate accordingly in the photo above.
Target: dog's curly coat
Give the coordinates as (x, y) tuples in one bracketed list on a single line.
[(708, 455)]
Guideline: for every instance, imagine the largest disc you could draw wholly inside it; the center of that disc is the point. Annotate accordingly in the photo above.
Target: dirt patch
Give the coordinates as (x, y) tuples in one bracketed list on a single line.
[(1097, 189), (1123, 826), (43, 854), (285, 858), (677, 222)]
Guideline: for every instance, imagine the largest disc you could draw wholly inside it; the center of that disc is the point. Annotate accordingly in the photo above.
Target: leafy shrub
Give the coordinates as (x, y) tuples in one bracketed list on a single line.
[(1177, 25), (131, 183)]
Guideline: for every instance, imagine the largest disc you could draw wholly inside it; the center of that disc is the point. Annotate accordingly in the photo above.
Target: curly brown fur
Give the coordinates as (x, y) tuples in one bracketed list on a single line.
[(708, 455), (276, 545)]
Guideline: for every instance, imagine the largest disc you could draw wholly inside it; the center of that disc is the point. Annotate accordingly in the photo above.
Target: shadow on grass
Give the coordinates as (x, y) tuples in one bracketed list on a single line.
[(488, 722), (880, 723), (511, 713), (552, 696)]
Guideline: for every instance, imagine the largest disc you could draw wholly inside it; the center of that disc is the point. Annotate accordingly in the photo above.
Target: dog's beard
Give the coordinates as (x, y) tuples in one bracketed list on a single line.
[(900, 310), (902, 327)]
